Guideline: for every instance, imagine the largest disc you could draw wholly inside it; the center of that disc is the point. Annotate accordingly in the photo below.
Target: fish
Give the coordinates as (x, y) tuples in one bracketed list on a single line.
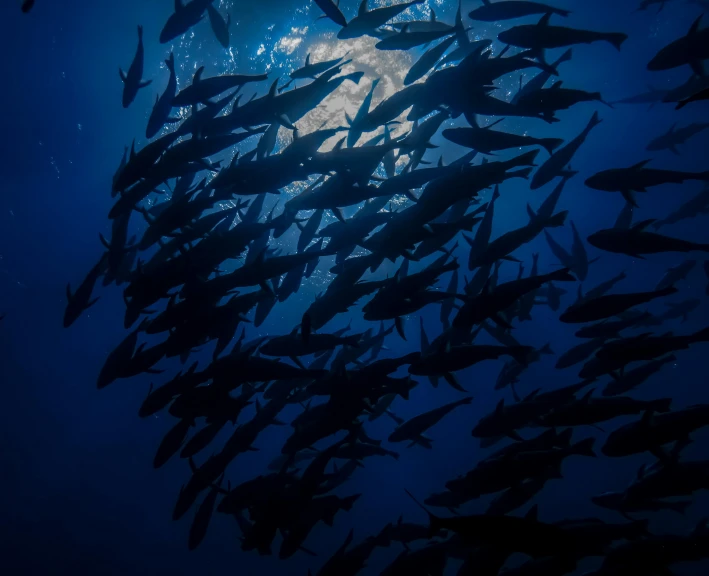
[(645, 4), (367, 21), (696, 97), (80, 300), (332, 11), (652, 96), (691, 208), (163, 103), (676, 274), (676, 136), (558, 162), (602, 307), (133, 80), (183, 18), (487, 141), (511, 9), (637, 178), (407, 38), (428, 61), (538, 82), (636, 241), (689, 50), (220, 27), (631, 379), (542, 36), (412, 429), (202, 90)]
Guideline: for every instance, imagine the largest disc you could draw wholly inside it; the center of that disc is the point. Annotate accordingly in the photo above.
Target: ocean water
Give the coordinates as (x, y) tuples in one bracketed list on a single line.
[(79, 492)]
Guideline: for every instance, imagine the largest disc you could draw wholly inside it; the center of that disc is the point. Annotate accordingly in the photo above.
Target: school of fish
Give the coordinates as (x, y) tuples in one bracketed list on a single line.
[(183, 290)]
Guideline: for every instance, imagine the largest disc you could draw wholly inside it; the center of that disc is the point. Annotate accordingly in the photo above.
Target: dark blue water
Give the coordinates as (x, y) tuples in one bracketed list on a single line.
[(79, 493)]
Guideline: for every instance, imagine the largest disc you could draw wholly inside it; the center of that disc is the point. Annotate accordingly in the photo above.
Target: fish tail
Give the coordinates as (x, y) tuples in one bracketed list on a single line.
[(617, 39), (550, 144), (352, 340), (526, 159), (661, 405), (558, 219), (354, 76), (701, 336)]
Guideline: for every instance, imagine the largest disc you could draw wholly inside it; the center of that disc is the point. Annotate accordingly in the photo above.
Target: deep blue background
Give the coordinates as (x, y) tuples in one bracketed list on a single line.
[(79, 494)]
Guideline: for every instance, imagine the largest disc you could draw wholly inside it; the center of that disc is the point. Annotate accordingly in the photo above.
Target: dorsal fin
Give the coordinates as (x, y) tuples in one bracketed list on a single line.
[(556, 85), (639, 165), (339, 144), (307, 59), (197, 75), (643, 224), (362, 8), (695, 26), (132, 150), (500, 406), (272, 89), (533, 513), (433, 15), (544, 20), (178, 5)]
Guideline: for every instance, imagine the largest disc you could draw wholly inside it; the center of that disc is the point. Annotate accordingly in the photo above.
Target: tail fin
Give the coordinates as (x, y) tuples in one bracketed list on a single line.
[(546, 349), (701, 336), (354, 76), (347, 503), (434, 521), (661, 405), (550, 144), (595, 121), (523, 173), (170, 62), (565, 57), (617, 39), (526, 159), (557, 219), (352, 340)]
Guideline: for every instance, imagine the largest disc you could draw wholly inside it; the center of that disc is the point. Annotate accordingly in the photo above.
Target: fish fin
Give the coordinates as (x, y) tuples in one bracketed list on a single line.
[(544, 20), (451, 379), (399, 323)]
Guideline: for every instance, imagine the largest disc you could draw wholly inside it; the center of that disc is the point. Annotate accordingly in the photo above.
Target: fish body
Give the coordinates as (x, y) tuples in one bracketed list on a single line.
[(133, 80), (511, 9), (542, 36)]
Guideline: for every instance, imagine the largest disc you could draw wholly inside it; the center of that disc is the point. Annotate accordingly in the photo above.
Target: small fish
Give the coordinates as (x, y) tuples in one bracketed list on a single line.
[(133, 81)]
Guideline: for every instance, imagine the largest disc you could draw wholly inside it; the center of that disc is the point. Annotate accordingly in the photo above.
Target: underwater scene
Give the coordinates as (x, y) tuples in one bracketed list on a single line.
[(339, 288)]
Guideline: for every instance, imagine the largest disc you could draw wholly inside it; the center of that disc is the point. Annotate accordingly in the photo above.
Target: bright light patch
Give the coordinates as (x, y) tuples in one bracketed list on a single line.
[(288, 44)]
